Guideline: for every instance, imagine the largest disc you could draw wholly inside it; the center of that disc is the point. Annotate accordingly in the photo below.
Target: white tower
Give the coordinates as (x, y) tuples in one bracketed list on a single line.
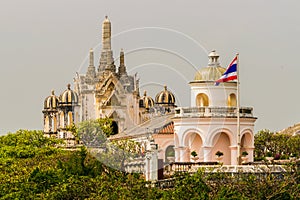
[(210, 124)]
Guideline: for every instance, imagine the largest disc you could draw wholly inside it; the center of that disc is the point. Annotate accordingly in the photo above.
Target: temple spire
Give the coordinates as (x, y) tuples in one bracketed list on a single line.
[(91, 72), (91, 57), (106, 34), (106, 58), (122, 67)]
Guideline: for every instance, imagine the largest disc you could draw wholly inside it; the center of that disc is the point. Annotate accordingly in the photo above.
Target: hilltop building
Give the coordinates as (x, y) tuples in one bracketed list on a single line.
[(207, 126)]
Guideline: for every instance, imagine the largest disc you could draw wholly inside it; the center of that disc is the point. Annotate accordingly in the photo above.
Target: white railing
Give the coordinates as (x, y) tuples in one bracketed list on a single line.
[(213, 112)]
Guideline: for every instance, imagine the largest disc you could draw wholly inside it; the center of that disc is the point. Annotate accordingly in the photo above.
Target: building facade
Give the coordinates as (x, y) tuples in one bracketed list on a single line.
[(207, 126)]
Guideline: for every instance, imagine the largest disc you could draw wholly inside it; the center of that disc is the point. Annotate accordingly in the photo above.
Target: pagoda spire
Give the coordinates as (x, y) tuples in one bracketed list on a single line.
[(106, 34), (91, 57), (106, 62), (91, 72), (122, 67)]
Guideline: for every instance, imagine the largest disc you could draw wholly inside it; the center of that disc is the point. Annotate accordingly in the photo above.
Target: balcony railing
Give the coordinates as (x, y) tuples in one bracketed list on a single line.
[(245, 112)]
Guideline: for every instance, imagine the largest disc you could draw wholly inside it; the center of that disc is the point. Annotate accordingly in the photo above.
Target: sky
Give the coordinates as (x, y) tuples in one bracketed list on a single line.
[(44, 43)]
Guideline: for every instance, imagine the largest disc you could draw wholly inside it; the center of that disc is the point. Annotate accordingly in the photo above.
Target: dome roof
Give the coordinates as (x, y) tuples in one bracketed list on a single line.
[(146, 101), (51, 102), (68, 97), (213, 71), (209, 73), (165, 97)]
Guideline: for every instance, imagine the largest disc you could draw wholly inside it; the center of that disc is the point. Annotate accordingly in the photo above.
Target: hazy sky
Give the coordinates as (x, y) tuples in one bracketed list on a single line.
[(43, 44)]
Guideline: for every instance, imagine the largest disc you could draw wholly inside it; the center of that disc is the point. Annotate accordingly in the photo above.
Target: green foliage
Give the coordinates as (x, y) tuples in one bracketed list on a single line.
[(219, 153), (284, 145), (194, 154), (47, 172), (244, 153)]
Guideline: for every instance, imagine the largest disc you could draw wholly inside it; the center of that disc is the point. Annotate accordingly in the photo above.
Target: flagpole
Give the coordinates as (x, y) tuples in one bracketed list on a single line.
[(238, 113)]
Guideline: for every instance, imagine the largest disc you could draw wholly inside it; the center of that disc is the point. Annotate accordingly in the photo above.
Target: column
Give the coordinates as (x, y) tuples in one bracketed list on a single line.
[(207, 154), (234, 155)]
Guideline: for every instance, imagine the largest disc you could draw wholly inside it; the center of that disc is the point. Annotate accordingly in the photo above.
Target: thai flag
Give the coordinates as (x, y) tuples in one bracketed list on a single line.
[(230, 74)]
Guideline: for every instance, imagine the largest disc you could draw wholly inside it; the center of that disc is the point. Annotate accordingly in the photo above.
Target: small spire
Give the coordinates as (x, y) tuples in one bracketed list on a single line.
[(69, 86), (52, 92), (122, 58), (91, 57), (165, 87), (145, 93), (122, 67)]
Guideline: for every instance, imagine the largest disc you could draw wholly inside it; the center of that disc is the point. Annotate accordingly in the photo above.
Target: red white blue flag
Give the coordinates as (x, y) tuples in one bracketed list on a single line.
[(230, 74)]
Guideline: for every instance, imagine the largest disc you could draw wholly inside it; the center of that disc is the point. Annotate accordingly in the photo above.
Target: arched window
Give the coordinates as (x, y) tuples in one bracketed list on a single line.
[(115, 127), (54, 124), (170, 153), (202, 100), (70, 118), (62, 120), (47, 124), (231, 102)]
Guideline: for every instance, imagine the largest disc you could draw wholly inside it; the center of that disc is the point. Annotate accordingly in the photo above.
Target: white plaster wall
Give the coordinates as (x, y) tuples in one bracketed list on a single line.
[(218, 95), (208, 128)]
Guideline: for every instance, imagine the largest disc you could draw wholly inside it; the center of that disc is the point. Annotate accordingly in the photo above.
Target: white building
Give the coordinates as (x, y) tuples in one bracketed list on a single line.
[(208, 126)]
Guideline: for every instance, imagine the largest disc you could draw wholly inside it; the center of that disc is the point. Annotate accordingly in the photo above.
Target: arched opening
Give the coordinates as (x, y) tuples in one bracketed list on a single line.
[(195, 144), (202, 100), (231, 102), (221, 142), (115, 128), (62, 120), (170, 154), (54, 125), (70, 118), (246, 142), (47, 125)]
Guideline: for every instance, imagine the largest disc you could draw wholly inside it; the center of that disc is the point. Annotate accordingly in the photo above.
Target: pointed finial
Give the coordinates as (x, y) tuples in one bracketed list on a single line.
[(145, 93), (69, 86), (52, 92), (91, 50), (165, 87)]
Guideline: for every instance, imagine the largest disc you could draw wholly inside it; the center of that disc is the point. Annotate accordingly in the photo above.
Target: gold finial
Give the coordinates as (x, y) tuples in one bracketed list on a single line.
[(145, 93), (106, 17), (69, 86), (165, 87), (52, 92), (91, 50)]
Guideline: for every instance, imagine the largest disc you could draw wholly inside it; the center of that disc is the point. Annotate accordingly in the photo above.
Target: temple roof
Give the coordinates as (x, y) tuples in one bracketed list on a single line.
[(154, 125)]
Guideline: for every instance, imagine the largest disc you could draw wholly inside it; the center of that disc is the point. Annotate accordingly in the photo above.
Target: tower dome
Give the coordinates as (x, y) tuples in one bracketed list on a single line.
[(68, 97), (51, 102), (213, 71), (165, 97), (146, 101)]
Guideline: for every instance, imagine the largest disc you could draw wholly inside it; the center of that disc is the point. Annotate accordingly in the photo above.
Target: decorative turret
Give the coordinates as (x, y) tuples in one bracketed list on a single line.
[(213, 71), (68, 97), (122, 67), (91, 72), (165, 98), (50, 111), (51, 102), (146, 101)]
